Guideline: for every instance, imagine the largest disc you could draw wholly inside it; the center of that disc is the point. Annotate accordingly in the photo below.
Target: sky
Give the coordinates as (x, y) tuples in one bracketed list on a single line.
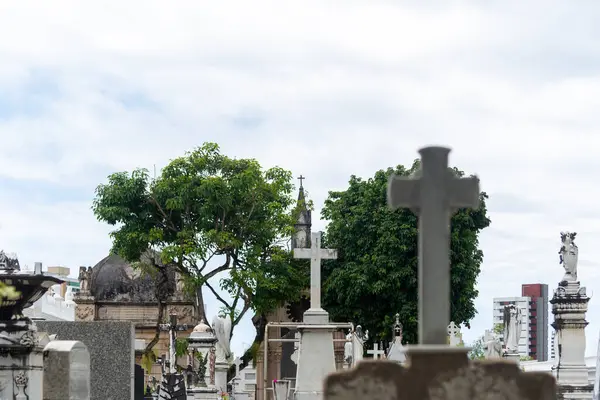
[(323, 88)]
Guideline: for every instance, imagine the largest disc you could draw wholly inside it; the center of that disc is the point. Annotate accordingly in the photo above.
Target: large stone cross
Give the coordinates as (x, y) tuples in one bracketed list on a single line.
[(172, 327), (376, 353), (433, 193), (316, 254)]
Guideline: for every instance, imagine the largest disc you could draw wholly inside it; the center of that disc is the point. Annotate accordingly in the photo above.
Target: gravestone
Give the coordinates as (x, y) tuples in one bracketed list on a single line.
[(437, 371), (66, 371), (316, 357), (454, 335), (112, 354)]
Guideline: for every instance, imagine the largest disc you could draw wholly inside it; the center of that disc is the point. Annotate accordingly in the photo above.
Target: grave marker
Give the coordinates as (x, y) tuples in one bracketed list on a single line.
[(454, 334), (376, 352), (315, 253), (432, 194)]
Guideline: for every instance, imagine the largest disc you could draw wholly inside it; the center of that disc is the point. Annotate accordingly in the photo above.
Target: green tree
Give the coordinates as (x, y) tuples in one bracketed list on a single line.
[(210, 216), (375, 275), (477, 351)]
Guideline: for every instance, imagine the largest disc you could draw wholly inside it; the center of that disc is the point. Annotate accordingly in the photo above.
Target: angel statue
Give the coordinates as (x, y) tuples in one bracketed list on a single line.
[(222, 329), (568, 254), (512, 328), (493, 348)]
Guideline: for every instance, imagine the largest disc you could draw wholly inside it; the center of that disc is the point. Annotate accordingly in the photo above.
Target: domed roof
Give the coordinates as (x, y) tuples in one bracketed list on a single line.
[(114, 279), (202, 327)]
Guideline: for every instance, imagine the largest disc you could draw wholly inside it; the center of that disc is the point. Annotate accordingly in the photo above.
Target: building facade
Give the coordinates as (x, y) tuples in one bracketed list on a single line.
[(533, 302)]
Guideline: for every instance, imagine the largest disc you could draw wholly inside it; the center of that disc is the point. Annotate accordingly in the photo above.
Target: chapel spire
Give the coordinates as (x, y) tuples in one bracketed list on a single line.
[(301, 236)]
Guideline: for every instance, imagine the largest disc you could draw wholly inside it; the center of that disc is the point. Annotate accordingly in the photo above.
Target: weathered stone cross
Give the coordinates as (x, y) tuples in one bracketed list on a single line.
[(433, 193), (316, 254), (172, 327), (376, 352), (301, 178), (237, 363)]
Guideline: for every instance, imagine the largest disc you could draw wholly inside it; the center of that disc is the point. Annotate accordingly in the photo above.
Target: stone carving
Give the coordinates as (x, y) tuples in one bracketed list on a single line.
[(454, 334), (185, 315), (222, 330), (568, 255), (396, 351), (493, 347), (21, 379), (9, 263), (85, 275), (439, 374), (512, 328), (84, 313), (29, 339), (211, 371)]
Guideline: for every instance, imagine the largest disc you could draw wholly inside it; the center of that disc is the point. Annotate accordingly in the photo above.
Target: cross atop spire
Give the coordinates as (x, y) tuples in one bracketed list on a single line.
[(301, 178)]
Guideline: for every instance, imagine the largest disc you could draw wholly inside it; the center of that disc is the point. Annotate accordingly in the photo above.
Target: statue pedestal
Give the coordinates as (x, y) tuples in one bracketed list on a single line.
[(513, 357), (569, 306), (221, 376)]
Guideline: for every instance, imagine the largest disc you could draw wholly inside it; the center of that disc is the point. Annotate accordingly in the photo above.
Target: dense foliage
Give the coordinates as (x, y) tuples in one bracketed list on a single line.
[(210, 216), (375, 276)]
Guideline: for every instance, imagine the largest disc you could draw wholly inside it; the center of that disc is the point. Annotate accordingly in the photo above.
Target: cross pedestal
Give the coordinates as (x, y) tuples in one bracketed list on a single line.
[(433, 194), (316, 358)]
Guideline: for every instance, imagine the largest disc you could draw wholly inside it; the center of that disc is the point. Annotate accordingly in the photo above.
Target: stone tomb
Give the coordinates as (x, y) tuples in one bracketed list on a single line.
[(111, 346)]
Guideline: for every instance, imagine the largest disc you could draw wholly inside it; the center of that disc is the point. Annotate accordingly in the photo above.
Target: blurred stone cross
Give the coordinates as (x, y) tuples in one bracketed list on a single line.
[(376, 353), (454, 334), (433, 193)]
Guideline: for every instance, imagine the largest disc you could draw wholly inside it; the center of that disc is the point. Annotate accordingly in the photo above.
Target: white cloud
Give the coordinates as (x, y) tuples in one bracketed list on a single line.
[(324, 88)]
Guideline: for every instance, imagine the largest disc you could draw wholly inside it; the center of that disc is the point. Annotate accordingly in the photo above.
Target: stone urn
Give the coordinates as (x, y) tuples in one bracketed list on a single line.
[(281, 389)]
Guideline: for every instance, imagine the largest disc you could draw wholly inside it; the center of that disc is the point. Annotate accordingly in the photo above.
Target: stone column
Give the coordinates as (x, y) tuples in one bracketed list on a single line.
[(569, 306)]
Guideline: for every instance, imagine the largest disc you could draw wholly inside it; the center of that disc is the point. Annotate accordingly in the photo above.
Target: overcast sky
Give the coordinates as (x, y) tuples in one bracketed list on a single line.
[(323, 88)]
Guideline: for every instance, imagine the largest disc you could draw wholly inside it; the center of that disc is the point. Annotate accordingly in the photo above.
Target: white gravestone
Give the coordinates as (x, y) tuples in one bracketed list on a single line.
[(316, 357), (433, 193), (66, 371), (376, 352)]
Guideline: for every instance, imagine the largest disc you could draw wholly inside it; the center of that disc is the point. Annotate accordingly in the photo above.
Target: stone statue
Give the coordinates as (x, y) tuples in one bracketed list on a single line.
[(568, 254), (493, 348), (222, 330), (84, 279), (354, 348), (512, 328), (348, 348)]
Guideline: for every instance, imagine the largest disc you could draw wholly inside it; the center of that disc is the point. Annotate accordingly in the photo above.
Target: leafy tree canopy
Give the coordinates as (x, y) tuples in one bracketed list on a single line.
[(207, 213), (376, 273)]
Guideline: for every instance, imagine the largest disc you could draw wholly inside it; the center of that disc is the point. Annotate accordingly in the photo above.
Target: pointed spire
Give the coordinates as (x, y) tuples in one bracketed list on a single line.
[(301, 196)]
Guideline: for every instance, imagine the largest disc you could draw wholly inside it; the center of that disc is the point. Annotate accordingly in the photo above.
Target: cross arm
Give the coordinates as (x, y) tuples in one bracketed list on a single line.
[(403, 191), (464, 192), (328, 254), (302, 253)]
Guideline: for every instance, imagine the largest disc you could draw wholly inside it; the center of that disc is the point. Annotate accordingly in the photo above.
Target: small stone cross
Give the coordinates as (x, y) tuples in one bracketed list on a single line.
[(376, 353), (172, 327), (433, 193), (315, 254), (301, 178), (454, 334)]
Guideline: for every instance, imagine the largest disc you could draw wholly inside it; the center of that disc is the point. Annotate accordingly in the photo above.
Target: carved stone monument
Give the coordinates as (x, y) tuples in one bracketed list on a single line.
[(493, 347), (454, 335), (397, 350), (316, 357), (437, 371), (569, 306), (513, 320), (222, 330)]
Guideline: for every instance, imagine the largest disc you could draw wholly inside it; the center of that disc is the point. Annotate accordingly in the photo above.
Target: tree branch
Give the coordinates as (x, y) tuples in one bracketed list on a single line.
[(222, 268), (217, 295)]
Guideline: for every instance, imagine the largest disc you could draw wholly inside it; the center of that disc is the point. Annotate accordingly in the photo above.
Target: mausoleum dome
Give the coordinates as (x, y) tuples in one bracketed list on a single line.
[(114, 279)]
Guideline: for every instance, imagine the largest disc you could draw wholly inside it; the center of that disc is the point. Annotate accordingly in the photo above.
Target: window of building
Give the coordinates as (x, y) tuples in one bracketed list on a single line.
[(250, 376), (250, 387)]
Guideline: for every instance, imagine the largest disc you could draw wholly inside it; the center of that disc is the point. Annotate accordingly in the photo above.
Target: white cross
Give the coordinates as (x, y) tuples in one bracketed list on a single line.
[(454, 334), (316, 254), (376, 352), (433, 194), (237, 363)]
